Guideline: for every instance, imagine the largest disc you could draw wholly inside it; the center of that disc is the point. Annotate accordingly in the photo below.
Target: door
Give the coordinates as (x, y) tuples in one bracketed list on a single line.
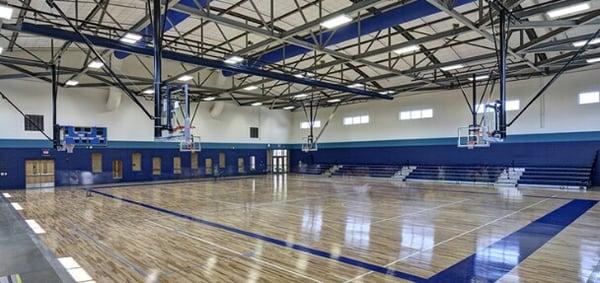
[(156, 166), (39, 173), (117, 169), (280, 161), (208, 166), (241, 169)]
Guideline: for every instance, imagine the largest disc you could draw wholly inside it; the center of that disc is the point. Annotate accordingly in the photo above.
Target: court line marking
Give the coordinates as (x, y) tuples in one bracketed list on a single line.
[(453, 238), (421, 211), (484, 266), (233, 251), (278, 242)]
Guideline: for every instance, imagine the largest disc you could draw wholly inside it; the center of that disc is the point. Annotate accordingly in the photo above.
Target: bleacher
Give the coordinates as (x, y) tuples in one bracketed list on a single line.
[(312, 169), (573, 177), (381, 171), (474, 174)]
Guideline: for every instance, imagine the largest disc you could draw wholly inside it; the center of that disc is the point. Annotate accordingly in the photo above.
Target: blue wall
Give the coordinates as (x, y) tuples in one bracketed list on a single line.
[(69, 167), (568, 149)]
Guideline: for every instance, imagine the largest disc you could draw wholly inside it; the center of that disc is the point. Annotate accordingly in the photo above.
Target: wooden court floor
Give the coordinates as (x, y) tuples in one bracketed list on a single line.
[(302, 229)]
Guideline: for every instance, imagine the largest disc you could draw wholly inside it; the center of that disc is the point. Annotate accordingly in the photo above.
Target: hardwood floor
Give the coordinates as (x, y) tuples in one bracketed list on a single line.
[(303, 229)]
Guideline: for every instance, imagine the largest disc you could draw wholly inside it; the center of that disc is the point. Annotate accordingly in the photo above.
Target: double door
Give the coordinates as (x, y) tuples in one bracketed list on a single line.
[(39, 173)]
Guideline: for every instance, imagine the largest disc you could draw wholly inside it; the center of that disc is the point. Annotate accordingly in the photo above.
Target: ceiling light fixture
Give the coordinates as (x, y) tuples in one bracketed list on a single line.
[(582, 42), (256, 104), (569, 10), (72, 83), (407, 49), (478, 78), (334, 100), (95, 64), (149, 91), (356, 85), (452, 67), (210, 98), (5, 12), (252, 87), (234, 60), (289, 107), (593, 60), (386, 92), (336, 22), (302, 95), (131, 38), (185, 78)]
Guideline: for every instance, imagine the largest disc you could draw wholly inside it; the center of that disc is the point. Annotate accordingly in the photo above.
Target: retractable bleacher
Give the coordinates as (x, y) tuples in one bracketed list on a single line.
[(457, 174), (380, 171), (311, 169), (561, 177)]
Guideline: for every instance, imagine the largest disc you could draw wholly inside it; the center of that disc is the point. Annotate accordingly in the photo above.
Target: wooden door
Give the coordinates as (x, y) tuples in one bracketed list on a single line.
[(156, 166), (177, 165), (117, 169), (208, 166), (241, 168), (39, 173)]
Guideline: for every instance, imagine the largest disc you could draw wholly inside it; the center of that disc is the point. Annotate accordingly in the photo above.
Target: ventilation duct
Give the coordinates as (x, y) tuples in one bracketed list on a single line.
[(113, 100)]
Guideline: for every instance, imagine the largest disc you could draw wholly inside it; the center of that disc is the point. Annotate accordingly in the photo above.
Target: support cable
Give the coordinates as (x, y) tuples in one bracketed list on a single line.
[(26, 118)]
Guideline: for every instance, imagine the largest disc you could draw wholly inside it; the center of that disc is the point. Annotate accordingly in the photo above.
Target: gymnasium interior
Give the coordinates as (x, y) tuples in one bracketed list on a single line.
[(299, 141)]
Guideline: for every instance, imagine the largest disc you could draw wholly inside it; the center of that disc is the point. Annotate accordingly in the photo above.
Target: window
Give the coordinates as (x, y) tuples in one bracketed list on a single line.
[(356, 120), (176, 165), (589, 97), (208, 166), (31, 121), (253, 132), (156, 166), (194, 161), (96, 162), (511, 105), (241, 168), (416, 114), (306, 125), (136, 162), (252, 163), (221, 160)]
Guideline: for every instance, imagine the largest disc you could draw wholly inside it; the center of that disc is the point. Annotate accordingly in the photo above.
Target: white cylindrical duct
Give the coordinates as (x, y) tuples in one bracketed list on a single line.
[(113, 100), (216, 109)]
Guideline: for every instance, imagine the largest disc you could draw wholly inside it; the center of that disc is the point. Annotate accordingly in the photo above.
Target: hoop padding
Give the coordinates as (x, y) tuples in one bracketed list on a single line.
[(308, 147), (472, 137)]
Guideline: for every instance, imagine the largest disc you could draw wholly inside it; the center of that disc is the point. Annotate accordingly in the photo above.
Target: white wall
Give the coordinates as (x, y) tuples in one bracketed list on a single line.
[(558, 111), (87, 107)]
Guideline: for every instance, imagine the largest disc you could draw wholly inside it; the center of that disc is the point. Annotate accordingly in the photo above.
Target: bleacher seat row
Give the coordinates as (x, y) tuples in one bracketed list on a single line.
[(571, 177)]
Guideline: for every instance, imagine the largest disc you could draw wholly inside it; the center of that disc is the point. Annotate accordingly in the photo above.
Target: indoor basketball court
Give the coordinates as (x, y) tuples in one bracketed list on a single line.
[(299, 141)]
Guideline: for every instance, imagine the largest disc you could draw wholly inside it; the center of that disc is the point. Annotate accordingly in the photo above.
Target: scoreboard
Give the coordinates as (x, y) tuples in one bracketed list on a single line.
[(84, 136)]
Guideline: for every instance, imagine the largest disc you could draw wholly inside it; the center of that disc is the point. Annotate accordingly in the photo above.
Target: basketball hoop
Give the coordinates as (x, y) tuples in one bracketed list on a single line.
[(69, 148), (308, 147), (192, 145)]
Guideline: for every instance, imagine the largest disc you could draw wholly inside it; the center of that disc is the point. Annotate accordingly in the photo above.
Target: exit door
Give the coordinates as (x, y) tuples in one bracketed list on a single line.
[(39, 173), (280, 161)]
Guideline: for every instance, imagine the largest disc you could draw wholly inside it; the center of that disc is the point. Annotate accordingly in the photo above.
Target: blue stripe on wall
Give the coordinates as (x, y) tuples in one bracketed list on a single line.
[(526, 138), (27, 143), (493, 262), (278, 242)]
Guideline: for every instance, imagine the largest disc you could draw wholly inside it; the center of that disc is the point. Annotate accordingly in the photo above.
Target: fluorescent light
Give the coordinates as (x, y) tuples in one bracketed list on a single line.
[(568, 10), (95, 64), (582, 42), (357, 85), (387, 92), (72, 83), (131, 38), (334, 100), (478, 78), (252, 87), (256, 104), (210, 98), (149, 91), (407, 49), (452, 67), (289, 107), (234, 60), (336, 22), (300, 75), (16, 206), (302, 95), (593, 60), (185, 78), (5, 12)]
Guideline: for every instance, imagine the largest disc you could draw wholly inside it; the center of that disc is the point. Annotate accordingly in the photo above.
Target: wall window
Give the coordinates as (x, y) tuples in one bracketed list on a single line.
[(253, 132), (96, 162), (416, 114), (208, 166), (176, 165), (511, 105), (306, 125), (356, 120), (589, 97), (31, 121), (194, 161), (136, 162)]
